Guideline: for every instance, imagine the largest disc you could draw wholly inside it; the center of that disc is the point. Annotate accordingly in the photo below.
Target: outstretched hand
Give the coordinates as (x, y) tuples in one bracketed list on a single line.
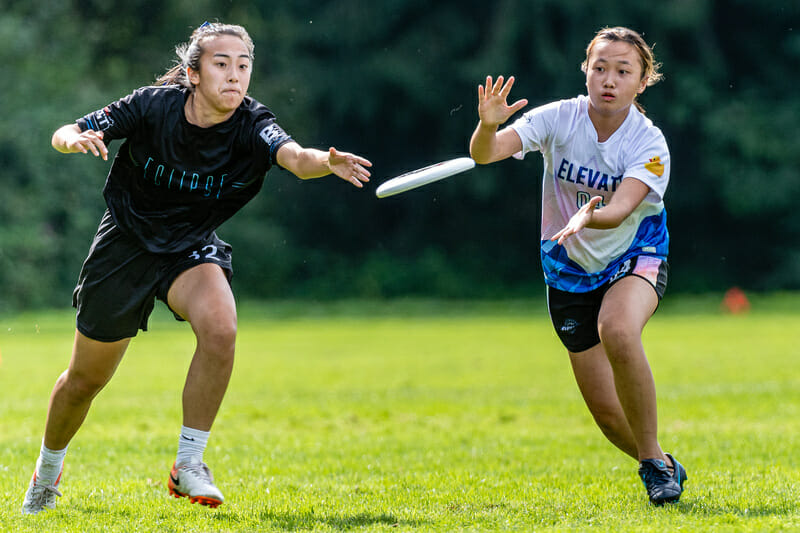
[(578, 221), (348, 166), (88, 141), (493, 108)]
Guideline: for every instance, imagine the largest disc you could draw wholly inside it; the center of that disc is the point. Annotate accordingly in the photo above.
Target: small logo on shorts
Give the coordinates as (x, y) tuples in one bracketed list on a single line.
[(569, 326), (623, 271)]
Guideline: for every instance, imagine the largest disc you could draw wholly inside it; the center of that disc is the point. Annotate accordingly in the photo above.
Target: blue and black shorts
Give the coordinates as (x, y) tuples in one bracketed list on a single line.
[(574, 314)]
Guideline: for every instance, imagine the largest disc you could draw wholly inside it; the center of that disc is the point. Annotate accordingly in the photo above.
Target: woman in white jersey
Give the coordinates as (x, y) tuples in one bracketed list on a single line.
[(604, 237)]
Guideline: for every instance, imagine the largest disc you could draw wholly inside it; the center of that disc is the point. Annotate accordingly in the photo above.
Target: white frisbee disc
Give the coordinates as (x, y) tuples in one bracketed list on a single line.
[(424, 176)]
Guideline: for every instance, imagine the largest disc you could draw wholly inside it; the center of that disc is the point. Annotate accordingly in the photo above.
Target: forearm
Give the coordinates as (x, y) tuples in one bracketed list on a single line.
[(627, 198), (608, 217), (310, 163), (483, 144)]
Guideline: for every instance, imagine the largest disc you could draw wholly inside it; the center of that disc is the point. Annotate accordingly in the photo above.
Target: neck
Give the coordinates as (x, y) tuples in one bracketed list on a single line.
[(606, 125), (202, 115)]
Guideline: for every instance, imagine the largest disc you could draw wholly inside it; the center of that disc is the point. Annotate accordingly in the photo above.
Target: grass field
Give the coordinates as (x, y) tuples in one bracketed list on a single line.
[(416, 416)]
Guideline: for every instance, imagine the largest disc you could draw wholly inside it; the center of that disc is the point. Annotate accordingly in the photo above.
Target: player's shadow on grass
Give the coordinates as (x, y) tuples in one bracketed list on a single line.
[(308, 519)]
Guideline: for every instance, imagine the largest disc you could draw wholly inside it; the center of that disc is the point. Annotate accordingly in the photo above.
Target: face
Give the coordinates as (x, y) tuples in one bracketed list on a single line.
[(614, 77), (224, 75)]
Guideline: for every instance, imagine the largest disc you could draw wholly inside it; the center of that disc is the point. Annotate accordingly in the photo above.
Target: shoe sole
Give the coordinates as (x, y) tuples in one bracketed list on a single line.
[(670, 499), (202, 500)]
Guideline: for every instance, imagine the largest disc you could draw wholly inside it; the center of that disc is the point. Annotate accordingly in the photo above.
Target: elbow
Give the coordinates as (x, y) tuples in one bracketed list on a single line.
[(480, 158)]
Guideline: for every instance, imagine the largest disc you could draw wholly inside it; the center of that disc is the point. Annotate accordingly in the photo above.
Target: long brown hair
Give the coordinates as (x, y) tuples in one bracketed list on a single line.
[(189, 53), (650, 68)]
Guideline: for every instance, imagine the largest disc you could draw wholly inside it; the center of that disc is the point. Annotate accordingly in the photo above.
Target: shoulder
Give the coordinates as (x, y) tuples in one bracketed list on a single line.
[(641, 125), (567, 108), (152, 99), (160, 92), (255, 110)]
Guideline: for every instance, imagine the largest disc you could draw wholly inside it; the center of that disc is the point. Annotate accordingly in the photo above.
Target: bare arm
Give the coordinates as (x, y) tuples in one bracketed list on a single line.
[(69, 139), (630, 194), (486, 144), (308, 163)]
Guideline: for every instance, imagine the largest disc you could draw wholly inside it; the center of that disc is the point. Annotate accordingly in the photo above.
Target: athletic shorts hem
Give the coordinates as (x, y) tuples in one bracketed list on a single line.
[(659, 295), (101, 338)]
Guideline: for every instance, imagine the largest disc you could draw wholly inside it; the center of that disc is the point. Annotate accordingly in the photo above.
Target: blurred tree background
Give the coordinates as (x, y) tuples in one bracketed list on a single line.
[(396, 82)]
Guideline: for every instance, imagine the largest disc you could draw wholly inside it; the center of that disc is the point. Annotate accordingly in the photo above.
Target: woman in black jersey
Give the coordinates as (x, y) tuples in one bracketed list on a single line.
[(195, 150)]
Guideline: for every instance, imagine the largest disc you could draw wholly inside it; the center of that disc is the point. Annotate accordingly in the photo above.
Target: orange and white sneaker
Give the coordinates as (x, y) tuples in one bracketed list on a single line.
[(194, 481), (40, 496)]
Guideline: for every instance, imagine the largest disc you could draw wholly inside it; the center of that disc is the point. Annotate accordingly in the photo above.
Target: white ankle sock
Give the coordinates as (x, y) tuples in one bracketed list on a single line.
[(49, 464), (191, 445)]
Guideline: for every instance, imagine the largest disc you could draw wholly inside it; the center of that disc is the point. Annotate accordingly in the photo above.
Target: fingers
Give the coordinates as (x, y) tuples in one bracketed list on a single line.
[(578, 221), (91, 141), (498, 85), (504, 90), (349, 167), (594, 202), (562, 235), (519, 104), (357, 175)]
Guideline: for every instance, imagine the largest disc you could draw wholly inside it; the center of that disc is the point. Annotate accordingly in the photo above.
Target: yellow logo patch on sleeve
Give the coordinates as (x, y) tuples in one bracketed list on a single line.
[(655, 166)]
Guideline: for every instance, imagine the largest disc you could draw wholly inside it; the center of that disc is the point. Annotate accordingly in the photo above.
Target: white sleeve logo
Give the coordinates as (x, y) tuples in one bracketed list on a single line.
[(272, 134)]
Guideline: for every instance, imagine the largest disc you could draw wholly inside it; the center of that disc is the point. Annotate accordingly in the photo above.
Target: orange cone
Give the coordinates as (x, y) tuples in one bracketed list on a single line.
[(735, 301)]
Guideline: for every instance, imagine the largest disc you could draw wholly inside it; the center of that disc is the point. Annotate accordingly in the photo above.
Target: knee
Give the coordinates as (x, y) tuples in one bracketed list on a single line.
[(218, 337), (80, 386), (618, 338)]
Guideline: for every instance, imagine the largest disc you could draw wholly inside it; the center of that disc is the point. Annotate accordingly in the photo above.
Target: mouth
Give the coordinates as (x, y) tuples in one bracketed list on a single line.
[(608, 97)]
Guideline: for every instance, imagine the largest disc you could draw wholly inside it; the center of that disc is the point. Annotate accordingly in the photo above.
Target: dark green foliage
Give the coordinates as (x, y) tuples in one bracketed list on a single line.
[(396, 81)]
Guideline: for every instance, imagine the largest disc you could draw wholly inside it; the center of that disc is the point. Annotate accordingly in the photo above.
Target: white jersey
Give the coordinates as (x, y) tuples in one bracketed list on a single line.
[(578, 167)]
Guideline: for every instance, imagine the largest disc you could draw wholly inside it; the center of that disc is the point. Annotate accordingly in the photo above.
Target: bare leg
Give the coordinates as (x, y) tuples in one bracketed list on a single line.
[(203, 297), (596, 382), (91, 367), (626, 308)]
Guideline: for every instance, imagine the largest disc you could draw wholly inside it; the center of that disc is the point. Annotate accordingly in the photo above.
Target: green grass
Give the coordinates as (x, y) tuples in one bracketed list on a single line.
[(416, 416)]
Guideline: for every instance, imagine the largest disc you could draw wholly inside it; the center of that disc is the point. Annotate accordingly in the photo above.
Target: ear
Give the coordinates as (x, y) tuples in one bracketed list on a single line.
[(193, 76), (642, 85)]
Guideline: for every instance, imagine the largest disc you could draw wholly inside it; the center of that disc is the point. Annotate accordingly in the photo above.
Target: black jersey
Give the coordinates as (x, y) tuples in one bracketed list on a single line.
[(173, 183)]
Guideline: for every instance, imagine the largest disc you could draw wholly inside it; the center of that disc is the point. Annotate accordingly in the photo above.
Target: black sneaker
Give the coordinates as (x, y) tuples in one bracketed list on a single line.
[(679, 473), (662, 486)]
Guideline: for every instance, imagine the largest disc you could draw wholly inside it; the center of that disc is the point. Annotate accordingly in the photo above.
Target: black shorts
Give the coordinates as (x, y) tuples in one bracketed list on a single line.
[(120, 281), (575, 314)]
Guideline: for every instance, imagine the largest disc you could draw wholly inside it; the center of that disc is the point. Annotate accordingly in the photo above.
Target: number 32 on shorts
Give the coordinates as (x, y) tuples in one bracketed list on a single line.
[(206, 252)]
